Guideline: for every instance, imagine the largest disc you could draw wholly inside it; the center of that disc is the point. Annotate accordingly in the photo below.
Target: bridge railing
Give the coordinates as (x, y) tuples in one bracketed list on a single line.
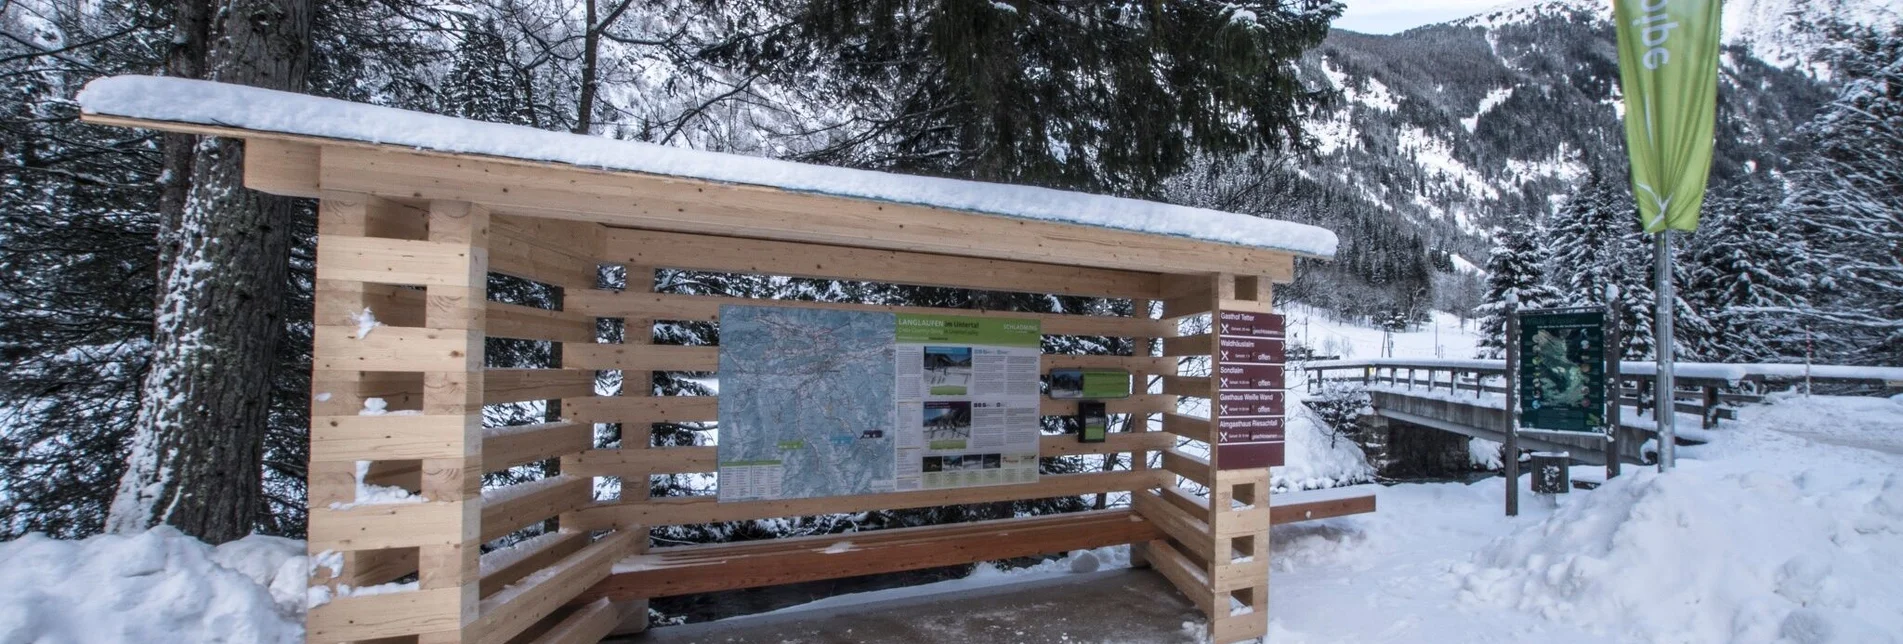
[(1711, 391)]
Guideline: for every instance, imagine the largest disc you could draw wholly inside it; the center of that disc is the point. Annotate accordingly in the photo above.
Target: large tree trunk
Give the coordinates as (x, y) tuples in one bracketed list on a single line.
[(191, 38), (195, 461)]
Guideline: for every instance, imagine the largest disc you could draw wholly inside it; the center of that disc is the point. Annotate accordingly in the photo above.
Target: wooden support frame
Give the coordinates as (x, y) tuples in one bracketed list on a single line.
[(414, 236), (1216, 550)]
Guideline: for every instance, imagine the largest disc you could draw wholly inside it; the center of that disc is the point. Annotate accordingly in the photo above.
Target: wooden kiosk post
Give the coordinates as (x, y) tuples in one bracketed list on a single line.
[(414, 222)]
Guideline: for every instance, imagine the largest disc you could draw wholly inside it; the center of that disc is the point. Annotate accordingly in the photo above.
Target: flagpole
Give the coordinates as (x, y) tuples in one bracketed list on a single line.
[(1664, 407)]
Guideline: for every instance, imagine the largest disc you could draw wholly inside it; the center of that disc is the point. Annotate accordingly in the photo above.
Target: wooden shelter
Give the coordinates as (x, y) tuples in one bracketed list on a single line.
[(411, 228)]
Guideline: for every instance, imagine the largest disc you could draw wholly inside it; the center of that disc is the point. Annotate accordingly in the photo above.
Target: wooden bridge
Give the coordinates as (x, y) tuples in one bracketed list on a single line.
[(1468, 397)]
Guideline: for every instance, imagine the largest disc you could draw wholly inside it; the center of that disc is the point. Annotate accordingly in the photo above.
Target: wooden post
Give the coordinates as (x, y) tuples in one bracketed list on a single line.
[(1711, 406), (1615, 399), (1238, 500), (456, 311), (425, 355), (1510, 455), (1140, 378), (637, 383)]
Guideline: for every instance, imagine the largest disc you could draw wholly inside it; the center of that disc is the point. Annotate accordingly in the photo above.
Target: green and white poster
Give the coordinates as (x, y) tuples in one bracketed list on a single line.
[(817, 402), (968, 408), (1668, 69)]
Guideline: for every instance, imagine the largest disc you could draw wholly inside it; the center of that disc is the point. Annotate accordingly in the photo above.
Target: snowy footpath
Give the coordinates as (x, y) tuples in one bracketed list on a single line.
[(1764, 535)]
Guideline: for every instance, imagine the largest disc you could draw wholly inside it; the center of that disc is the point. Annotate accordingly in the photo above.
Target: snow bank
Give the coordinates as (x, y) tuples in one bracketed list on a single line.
[(236, 106), (1715, 552), (156, 586)]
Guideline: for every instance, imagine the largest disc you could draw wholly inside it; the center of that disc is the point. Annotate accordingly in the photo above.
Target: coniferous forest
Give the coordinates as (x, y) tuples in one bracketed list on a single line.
[(135, 371)]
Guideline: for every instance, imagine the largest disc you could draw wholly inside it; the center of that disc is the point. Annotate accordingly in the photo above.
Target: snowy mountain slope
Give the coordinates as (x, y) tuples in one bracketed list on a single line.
[(1780, 32), (1456, 127)]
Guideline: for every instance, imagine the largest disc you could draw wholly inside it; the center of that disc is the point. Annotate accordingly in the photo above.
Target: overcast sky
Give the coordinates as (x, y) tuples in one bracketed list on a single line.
[(1390, 16)]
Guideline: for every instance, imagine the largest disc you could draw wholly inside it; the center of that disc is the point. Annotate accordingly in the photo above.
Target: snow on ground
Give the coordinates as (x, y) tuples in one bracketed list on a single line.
[(1765, 537), (1444, 336), (155, 586)]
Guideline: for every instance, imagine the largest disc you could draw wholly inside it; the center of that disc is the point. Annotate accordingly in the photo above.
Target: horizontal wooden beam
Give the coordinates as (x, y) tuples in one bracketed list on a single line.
[(702, 460), (519, 385), (511, 611), (741, 255), (387, 348), (506, 510), (635, 462), (1140, 404), (640, 357), (372, 617), (1186, 465), (530, 323), (1324, 509), (691, 510), (506, 447), (684, 570), (688, 409), (1191, 386), (1189, 427), (1186, 529), (1145, 364), (537, 554), (406, 262), (551, 251), (664, 306), (642, 409), (1188, 577), (393, 525), (1113, 443), (1189, 345), (585, 624), (676, 204), (392, 437)]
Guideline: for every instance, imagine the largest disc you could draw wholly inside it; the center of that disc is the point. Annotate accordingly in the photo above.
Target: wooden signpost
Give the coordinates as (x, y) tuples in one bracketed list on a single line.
[(1250, 410)]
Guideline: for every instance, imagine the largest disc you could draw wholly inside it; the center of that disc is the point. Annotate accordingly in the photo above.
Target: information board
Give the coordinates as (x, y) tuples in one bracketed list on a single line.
[(818, 402), (1562, 370), (1250, 407)]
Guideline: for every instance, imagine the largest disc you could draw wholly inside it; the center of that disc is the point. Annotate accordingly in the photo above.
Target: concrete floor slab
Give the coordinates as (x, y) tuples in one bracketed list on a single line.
[(1120, 606)]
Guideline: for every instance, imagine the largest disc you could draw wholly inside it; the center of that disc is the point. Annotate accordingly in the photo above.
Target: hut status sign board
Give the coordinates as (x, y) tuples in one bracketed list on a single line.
[(817, 402), (1562, 370), (1249, 411)]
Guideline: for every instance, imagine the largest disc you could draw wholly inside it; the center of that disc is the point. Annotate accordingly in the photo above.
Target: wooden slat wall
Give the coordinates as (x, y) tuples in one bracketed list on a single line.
[(558, 253), (645, 251), (1217, 546), (422, 269)]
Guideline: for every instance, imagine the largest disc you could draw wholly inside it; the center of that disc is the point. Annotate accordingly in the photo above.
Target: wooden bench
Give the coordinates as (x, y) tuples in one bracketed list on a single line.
[(703, 568)]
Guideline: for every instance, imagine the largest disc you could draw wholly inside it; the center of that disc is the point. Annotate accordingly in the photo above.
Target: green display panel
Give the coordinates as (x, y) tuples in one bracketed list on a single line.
[(1562, 370), (1092, 384)]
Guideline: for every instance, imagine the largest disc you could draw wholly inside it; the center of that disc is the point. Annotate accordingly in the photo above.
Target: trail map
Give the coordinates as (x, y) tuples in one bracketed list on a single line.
[(819, 403)]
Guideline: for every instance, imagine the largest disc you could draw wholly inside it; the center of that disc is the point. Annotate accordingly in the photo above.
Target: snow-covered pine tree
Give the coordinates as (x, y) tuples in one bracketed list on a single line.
[(77, 222), (485, 80), (1516, 270), (1595, 241), (1126, 94), (1752, 275), (1849, 196)]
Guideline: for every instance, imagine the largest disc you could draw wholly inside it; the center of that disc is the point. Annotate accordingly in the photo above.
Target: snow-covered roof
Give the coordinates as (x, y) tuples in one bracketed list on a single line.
[(262, 110)]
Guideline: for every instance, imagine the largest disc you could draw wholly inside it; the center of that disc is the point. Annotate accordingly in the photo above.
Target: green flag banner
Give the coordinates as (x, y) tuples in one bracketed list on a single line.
[(1668, 67)]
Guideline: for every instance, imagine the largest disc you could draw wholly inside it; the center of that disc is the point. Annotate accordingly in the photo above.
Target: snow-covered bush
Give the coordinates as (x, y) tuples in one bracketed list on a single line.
[(1339, 407)]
